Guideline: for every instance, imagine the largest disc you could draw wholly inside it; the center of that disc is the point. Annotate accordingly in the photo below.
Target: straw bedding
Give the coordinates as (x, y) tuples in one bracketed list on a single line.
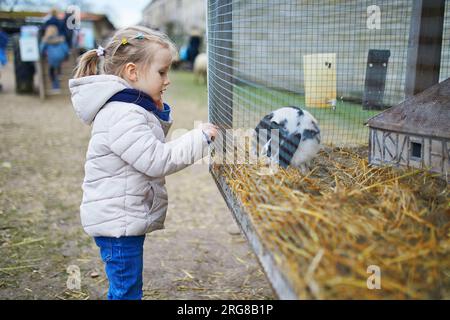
[(325, 228)]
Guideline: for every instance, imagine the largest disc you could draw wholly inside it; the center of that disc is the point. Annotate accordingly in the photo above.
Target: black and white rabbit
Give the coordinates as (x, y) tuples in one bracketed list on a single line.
[(298, 140)]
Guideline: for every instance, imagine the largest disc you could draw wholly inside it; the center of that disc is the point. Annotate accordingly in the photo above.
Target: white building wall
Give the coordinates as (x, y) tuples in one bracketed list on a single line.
[(189, 14)]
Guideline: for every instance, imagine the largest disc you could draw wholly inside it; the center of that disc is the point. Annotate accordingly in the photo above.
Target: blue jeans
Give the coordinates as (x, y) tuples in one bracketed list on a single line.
[(123, 258)]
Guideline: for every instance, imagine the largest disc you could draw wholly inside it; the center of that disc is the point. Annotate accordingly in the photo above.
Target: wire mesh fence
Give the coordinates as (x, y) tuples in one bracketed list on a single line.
[(340, 60), (343, 62)]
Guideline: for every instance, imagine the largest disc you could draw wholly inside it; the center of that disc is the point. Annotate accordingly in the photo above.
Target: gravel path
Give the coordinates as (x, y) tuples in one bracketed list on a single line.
[(200, 254)]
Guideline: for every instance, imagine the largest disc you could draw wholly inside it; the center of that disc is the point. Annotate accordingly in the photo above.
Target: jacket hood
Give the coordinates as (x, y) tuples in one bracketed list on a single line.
[(89, 94)]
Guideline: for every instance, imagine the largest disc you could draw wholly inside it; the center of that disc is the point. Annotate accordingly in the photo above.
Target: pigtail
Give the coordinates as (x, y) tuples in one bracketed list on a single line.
[(88, 64)]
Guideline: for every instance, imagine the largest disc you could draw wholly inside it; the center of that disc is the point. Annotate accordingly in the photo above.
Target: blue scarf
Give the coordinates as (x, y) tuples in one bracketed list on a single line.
[(141, 99)]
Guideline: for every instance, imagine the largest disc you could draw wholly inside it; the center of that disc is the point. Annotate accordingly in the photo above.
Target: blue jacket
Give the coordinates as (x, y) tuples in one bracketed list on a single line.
[(56, 52), (3, 39), (3, 44), (56, 22), (3, 57)]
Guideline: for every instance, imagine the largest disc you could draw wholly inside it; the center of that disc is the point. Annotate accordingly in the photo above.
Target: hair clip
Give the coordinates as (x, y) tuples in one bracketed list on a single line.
[(139, 36), (100, 51), (124, 41)]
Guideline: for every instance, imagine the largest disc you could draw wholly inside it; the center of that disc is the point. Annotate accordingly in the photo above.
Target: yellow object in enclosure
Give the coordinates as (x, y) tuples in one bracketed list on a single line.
[(319, 72)]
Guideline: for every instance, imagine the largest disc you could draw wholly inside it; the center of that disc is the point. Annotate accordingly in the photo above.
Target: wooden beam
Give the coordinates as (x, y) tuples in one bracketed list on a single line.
[(41, 78), (425, 45), (278, 280)]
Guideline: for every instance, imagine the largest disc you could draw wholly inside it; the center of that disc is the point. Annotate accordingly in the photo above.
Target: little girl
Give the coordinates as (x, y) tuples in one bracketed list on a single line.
[(118, 89)]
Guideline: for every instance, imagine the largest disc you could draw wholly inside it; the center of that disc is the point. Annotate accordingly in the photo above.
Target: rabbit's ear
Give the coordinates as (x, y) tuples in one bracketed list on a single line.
[(275, 139), (264, 124), (288, 147)]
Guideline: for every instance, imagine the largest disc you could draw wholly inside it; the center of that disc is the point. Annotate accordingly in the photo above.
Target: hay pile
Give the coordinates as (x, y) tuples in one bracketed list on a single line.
[(327, 227)]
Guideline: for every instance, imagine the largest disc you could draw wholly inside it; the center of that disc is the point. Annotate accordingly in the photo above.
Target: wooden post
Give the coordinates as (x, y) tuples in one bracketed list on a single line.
[(41, 79), (425, 45)]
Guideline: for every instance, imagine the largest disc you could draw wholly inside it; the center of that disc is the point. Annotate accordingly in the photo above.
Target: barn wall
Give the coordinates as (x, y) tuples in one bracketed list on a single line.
[(394, 148), (270, 39), (186, 15)]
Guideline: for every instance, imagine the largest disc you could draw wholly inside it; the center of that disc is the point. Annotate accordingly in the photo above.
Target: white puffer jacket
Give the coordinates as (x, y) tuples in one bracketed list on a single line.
[(127, 159)]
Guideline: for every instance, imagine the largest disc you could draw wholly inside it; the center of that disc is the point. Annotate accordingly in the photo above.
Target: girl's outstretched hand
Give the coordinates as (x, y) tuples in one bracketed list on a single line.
[(210, 130)]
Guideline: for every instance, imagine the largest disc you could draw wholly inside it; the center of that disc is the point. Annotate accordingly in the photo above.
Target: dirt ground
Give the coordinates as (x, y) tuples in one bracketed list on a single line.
[(42, 148)]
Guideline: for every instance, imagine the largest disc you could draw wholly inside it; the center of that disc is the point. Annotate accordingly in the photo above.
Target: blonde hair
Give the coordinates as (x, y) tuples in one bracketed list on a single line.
[(132, 44), (50, 31), (52, 36)]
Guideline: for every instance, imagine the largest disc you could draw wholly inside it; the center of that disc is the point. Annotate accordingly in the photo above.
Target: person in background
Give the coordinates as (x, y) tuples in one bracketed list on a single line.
[(53, 20), (193, 48), (3, 57), (54, 46)]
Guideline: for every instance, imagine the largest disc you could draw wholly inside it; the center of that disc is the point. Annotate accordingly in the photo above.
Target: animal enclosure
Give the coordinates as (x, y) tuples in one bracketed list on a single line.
[(265, 55), (344, 62)]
